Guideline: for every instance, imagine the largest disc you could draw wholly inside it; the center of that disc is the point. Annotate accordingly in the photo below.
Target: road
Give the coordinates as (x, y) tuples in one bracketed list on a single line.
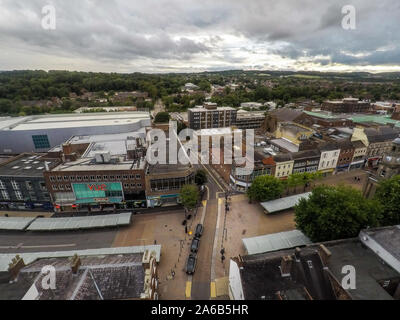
[(201, 280), (19, 242)]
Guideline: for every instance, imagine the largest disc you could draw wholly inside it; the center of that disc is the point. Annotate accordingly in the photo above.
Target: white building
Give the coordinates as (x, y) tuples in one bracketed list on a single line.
[(41, 133), (329, 159)]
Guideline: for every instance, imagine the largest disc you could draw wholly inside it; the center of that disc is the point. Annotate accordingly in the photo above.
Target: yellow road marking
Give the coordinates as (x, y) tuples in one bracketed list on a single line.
[(213, 290), (188, 289), (204, 203), (220, 201)]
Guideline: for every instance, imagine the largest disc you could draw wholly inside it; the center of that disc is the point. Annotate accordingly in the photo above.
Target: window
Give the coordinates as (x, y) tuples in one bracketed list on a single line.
[(126, 185), (72, 178), (112, 178), (98, 177), (5, 195), (66, 178), (78, 178), (41, 142), (68, 187), (15, 185), (2, 185), (105, 178), (18, 194), (53, 179), (55, 187), (132, 177), (118, 178), (86, 178), (59, 178), (139, 185), (125, 177), (61, 187), (42, 186), (133, 185), (138, 177), (29, 185), (92, 178)]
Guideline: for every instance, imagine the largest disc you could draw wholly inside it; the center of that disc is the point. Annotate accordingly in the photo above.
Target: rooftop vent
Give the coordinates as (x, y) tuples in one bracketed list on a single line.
[(16, 167)]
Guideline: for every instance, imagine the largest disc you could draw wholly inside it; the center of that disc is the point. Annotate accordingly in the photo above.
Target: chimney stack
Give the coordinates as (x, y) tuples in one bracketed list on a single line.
[(15, 266), (286, 266), (75, 264), (325, 254), (297, 253)]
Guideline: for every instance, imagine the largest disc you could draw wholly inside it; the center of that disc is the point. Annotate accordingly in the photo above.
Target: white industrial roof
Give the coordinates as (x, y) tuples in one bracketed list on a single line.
[(72, 121), (275, 242), (284, 203), (286, 144), (28, 258), (77, 223)]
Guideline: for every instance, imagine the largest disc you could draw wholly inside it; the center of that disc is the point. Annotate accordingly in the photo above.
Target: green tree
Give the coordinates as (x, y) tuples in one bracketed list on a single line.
[(333, 213), (265, 188), (388, 194), (200, 177), (162, 117), (189, 196)]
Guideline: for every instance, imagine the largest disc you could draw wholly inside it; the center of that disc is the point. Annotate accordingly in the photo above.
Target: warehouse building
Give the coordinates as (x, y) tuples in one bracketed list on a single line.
[(41, 133)]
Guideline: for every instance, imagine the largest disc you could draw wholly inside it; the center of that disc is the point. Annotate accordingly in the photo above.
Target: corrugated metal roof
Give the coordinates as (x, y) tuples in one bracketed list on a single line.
[(284, 203), (276, 241), (76, 223), (14, 223)]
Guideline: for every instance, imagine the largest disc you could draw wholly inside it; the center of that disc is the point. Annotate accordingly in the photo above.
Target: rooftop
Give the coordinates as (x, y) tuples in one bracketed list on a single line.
[(26, 165), (285, 144), (284, 203), (275, 242), (73, 120)]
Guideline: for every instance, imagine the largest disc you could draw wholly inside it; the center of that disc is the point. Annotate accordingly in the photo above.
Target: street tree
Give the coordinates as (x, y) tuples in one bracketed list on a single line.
[(189, 196), (332, 213), (200, 177), (265, 188)]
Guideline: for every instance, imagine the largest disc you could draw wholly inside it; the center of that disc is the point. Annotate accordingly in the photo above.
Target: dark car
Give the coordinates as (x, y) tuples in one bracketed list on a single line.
[(195, 245), (191, 264), (199, 231)]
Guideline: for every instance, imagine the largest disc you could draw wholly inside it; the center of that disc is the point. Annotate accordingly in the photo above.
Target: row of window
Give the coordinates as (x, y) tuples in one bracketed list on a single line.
[(68, 187), (95, 178), (28, 184)]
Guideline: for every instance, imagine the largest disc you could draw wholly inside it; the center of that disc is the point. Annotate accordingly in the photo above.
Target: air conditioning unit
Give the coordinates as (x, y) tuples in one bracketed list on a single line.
[(103, 157)]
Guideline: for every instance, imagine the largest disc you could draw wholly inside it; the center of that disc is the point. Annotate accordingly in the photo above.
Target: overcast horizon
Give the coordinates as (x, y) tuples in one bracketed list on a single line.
[(183, 36)]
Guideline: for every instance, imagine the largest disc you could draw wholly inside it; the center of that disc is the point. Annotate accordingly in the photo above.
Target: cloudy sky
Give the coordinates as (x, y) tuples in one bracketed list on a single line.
[(199, 35)]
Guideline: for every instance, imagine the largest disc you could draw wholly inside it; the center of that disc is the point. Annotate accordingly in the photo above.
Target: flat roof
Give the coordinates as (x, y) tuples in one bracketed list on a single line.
[(275, 242), (29, 165), (284, 203), (285, 144), (73, 120)]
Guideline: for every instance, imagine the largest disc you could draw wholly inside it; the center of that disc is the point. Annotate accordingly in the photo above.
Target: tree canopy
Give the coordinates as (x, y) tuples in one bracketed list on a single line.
[(162, 117), (189, 196), (265, 188), (333, 213), (388, 194), (200, 177)]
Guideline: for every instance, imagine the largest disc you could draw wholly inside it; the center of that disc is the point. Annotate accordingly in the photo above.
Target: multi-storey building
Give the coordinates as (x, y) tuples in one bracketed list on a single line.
[(250, 120), (346, 155), (348, 105), (284, 165), (329, 158), (378, 141), (22, 185), (360, 150), (390, 165), (99, 173), (210, 116), (306, 161)]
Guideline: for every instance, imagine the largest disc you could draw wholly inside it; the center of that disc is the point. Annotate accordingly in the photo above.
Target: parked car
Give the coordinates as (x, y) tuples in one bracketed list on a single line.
[(191, 264), (195, 245), (199, 231)]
